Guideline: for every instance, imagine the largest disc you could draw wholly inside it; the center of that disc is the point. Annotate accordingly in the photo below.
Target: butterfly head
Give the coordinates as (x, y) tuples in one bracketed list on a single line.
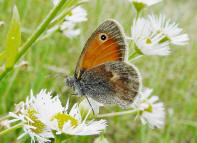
[(70, 81)]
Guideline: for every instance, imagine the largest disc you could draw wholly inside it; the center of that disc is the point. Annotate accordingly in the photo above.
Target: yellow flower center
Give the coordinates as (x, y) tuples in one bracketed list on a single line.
[(165, 39), (148, 109), (36, 123), (148, 41), (70, 13), (63, 118)]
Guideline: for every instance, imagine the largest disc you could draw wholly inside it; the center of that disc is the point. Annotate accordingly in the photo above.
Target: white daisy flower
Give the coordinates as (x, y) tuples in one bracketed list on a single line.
[(146, 41), (77, 15), (69, 122), (31, 123), (141, 4), (68, 29), (85, 107), (169, 29), (150, 110)]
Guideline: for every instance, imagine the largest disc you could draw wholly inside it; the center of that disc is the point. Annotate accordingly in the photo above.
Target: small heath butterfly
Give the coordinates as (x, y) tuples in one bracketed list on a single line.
[(102, 71)]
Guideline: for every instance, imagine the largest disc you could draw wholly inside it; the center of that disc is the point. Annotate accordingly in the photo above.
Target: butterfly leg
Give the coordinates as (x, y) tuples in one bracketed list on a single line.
[(90, 104)]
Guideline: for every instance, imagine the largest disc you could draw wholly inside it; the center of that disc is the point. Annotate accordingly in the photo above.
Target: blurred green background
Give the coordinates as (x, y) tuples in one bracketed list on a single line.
[(174, 78)]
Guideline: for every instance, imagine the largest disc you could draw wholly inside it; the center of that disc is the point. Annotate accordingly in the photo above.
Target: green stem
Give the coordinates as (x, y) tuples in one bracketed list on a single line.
[(37, 33), (133, 55), (11, 129), (117, 114), (136, 58), (137, 16), (3, 74), (4, 117)]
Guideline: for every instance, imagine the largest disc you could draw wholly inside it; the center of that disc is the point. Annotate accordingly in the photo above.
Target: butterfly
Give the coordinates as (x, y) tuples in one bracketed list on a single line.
[(102, 72)]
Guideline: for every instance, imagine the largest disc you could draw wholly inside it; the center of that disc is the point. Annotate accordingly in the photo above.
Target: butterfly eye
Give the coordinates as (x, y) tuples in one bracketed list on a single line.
[(103, 37)]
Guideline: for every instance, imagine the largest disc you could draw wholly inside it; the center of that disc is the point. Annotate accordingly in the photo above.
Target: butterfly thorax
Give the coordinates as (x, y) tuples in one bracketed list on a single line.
[(72, 83)]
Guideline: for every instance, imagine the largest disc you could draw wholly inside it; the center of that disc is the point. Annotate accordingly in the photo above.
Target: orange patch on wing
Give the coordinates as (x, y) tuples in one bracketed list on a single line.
[(99, 53)]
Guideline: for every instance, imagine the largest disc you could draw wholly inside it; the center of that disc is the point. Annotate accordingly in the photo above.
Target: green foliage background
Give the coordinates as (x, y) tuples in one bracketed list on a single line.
[(174, 78)]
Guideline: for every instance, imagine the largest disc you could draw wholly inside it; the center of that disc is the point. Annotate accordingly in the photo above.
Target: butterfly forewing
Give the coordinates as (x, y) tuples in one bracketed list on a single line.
[(106, 44), (112, 83)]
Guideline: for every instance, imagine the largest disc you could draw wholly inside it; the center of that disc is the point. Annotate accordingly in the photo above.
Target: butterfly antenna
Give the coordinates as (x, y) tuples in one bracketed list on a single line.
[(56, 75), (51, 75), (90, 105)]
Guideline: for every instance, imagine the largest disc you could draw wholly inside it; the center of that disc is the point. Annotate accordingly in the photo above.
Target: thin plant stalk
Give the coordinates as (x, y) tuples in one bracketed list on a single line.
[(117, 114), (136, 58), (11, 129), (4, 117), (133, 55), (138, 15)]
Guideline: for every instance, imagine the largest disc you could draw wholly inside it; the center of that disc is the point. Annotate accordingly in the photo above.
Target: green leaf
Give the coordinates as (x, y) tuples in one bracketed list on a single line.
[(13, 39)]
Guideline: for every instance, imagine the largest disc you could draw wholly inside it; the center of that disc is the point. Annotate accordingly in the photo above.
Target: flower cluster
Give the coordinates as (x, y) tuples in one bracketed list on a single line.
[(73, 17), (42, 114), (153, 35)]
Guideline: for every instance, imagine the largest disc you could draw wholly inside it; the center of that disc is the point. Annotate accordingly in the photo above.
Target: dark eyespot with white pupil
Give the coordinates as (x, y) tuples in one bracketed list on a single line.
[(103, 37)]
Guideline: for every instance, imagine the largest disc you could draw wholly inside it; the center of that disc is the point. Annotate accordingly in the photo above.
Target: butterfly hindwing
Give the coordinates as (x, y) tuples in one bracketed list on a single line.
[(111, 83), (106, 44)]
